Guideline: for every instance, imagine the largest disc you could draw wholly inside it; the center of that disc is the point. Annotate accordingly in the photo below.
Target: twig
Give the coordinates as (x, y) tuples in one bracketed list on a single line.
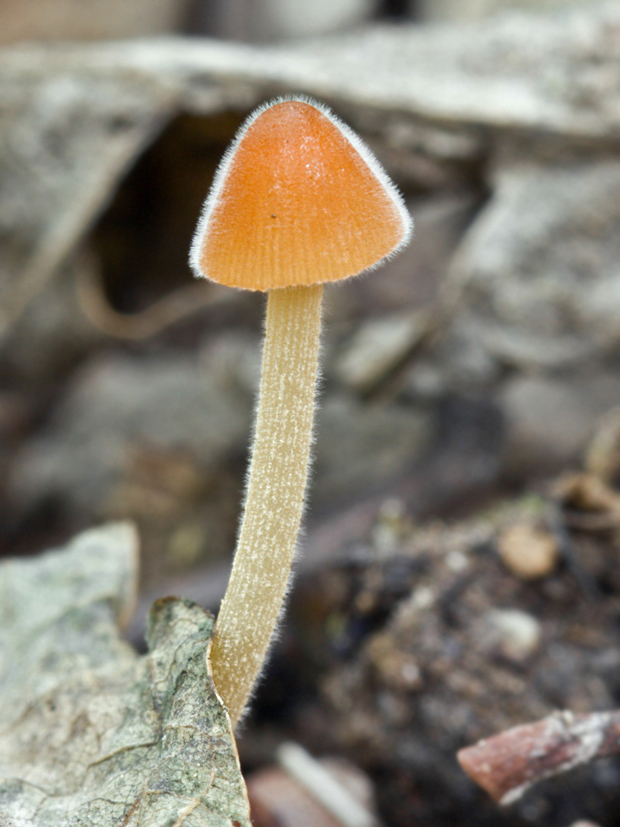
[(325, 788), (508, 764), (165, 312)]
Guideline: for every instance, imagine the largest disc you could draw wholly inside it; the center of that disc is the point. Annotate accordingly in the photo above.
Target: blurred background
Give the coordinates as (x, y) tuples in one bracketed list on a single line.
[(253, 21), (460, 567)]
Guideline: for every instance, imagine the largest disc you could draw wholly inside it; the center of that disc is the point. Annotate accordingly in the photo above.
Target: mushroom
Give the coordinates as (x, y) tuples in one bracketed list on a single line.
[(298, 200)]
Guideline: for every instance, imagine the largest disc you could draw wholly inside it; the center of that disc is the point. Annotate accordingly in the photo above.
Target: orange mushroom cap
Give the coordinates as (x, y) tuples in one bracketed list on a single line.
[(297, 200)]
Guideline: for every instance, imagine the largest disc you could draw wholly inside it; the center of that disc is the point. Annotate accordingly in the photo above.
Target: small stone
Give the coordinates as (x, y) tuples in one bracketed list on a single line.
[(423, 598), (457, 561), (527, 551), (511, 633)]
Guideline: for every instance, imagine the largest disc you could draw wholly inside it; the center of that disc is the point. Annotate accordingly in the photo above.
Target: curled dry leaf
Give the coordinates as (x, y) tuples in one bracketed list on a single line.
[(587, 501), (91, 733)]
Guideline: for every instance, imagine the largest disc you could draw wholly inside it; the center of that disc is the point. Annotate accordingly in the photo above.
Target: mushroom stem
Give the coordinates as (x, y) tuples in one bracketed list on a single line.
[(275, 494)]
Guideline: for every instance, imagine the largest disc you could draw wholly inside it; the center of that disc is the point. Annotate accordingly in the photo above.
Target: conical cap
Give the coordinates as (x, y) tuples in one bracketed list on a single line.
[(298, 200)]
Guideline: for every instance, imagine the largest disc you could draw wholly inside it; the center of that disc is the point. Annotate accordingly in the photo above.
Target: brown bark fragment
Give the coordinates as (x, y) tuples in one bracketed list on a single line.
[(507, 764)]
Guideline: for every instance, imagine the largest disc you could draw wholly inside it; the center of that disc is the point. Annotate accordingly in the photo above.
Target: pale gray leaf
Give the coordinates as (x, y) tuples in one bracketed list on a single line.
[(91, 733)]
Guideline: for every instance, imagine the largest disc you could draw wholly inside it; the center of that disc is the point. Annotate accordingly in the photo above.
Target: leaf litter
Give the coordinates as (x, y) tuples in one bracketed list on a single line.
[(91, 733)]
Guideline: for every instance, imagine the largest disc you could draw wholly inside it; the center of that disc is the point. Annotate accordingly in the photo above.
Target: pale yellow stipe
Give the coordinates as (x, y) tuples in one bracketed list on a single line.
[(275, 494)]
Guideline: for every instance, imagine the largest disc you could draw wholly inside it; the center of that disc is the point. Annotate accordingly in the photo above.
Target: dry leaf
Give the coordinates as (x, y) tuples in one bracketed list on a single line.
[(91, 733)]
